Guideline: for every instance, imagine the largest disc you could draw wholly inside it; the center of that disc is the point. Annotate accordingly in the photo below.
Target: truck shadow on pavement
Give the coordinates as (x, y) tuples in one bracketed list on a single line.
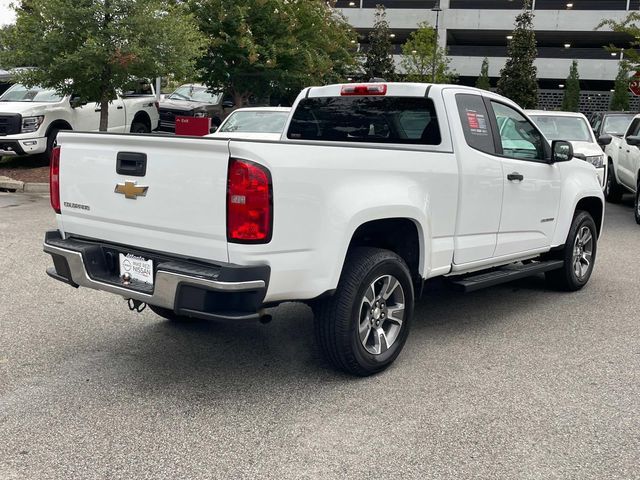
[(221, 358)]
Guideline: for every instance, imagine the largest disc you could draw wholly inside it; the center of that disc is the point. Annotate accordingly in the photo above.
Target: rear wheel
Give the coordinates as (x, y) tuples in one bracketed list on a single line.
[(140, 127), (362, 328), (579, 255), (613, 190)]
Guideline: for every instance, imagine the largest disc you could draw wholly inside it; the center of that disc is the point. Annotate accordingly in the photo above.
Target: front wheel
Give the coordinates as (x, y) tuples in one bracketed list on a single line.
[(579, 255), (612, 190), (362, 328), (52, 142)]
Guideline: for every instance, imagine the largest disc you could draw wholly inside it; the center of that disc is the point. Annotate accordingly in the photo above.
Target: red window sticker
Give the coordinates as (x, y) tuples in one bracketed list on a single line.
[(477, 123)]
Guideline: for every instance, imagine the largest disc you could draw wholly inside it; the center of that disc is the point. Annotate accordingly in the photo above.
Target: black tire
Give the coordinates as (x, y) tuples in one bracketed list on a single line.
[(636, 205), (51, 143), (566, 278), (140, 127), (168, 314), (338, 318), (613, 190)]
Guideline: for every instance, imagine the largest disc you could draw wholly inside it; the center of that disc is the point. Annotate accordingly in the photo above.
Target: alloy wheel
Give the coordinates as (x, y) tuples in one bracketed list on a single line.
[(382, 311), (582, 252)]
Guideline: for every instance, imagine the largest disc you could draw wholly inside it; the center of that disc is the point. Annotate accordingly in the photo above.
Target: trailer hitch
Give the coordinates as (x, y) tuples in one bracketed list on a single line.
[(136, 305)]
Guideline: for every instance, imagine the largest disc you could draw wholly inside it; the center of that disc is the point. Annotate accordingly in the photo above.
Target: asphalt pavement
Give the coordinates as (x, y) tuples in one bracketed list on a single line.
[(512, 382)]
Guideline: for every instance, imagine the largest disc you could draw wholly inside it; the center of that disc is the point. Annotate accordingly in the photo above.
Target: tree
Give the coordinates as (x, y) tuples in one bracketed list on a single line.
[(483, 80), (94, 48), (379, 60), (418, 59), (571, 98), (630, 26), (264, 47), (620, 97), (518, 76)]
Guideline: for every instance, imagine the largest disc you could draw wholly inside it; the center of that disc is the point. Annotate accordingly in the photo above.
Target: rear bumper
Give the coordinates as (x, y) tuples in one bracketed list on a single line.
[(191, 288)]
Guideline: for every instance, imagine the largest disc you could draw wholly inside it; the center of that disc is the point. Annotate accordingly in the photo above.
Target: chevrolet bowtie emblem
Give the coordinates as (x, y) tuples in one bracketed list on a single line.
[(131, 190)]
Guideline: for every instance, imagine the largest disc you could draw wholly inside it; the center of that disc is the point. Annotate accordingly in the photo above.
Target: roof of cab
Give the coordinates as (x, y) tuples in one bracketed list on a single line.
[(394, 89)]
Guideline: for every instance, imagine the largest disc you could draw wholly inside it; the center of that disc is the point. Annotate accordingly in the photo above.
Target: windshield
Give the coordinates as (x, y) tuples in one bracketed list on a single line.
[(195, 94), (556, 127), (255, 122), (617, 124), (20, 93)]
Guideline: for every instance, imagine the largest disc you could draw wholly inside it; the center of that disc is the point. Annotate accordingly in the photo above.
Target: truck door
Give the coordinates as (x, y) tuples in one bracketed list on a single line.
[(480, 178), (628, 156), (117, 116), (531, 194), (86, 118)]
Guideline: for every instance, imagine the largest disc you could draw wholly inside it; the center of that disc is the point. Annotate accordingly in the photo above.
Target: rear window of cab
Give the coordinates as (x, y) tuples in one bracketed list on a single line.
[(370, 119)]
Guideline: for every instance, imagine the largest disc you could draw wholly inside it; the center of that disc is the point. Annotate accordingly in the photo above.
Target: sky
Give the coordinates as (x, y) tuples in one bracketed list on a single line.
[(6, 14)]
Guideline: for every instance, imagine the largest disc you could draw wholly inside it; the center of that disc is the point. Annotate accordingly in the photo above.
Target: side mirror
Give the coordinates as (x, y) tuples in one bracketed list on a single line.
[(76, 101), (561, 151), (633, 140), (605, 140), (228, 104)]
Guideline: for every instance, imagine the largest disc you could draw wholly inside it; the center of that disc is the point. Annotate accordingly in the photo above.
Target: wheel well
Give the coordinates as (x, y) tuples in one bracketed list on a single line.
[(142, 117), (400, 235), (594, 207), (58, 124)]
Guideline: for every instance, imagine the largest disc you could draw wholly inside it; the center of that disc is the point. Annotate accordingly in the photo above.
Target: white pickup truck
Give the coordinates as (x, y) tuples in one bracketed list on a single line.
[(623, 153), (31, 117), (372, 190)]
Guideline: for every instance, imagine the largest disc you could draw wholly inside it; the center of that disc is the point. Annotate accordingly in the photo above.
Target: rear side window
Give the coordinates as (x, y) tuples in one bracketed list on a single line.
[(403, 120), (475, 122)]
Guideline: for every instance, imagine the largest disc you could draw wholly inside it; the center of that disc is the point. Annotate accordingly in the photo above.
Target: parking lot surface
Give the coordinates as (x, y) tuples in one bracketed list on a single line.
[(512, 382)]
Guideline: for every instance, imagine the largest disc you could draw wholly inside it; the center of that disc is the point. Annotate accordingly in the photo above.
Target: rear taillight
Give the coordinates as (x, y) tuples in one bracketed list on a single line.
[(249, 203), (364, 89), (54, 179)]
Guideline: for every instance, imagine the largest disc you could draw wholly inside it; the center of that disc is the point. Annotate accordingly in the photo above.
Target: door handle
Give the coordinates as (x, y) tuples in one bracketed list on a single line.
[(515, 176), (98, 110), (120, 107)]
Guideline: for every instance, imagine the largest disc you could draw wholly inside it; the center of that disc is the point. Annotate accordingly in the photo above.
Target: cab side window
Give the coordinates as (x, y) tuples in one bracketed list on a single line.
[(518, 136), (475, 122), (634, 128)]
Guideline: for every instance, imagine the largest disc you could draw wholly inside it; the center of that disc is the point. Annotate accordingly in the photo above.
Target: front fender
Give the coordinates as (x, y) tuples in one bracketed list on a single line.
[(580, 181)]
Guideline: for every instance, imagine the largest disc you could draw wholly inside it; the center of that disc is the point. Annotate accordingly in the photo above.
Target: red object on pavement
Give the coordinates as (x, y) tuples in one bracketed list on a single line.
[(193, 126), (634, 84)]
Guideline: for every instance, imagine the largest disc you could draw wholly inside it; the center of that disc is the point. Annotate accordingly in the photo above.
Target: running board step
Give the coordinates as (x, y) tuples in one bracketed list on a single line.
[(508, 273)]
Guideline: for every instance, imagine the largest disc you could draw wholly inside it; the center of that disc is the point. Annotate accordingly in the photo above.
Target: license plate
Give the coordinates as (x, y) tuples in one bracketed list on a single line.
[(138, 268)]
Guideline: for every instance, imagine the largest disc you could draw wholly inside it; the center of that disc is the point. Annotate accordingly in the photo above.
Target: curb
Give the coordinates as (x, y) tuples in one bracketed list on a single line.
[(36, 188), (11, 185)]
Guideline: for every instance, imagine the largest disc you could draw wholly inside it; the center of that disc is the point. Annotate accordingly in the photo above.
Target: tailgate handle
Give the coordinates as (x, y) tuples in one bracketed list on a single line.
[(132, 164)]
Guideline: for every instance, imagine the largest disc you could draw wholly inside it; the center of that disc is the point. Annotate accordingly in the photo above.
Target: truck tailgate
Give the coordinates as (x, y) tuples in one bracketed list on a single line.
[(183, 210)]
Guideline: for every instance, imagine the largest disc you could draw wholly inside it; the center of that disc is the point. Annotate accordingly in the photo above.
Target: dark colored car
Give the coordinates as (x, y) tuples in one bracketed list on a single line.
[(192, 100)]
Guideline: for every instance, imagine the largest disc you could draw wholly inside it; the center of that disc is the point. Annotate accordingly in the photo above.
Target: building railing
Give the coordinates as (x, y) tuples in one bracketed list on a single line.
[(496, 4), (501, 51), (543, 52)]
